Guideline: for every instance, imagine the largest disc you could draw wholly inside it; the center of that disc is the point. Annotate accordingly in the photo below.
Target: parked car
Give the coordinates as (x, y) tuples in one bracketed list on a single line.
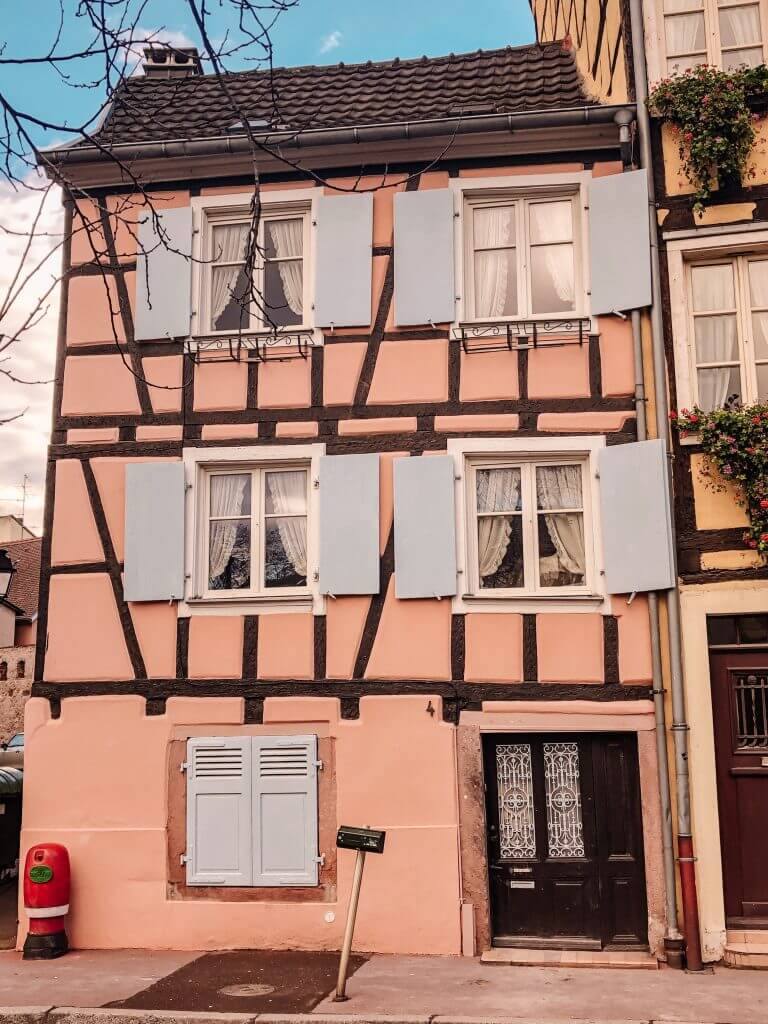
[(12, 752)]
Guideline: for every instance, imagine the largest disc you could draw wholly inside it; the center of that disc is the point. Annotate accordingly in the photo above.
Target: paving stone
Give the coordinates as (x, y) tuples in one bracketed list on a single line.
[(79, 1015)]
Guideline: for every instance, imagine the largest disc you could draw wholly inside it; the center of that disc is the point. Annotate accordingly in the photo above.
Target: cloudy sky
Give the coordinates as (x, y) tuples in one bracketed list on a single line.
[(313, 32)]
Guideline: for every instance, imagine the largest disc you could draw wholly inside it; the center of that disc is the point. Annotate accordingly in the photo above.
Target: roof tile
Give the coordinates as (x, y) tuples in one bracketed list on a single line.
[(25, 582), (509, 80)]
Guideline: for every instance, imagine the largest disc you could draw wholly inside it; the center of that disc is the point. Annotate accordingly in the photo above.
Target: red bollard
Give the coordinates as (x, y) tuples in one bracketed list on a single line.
[(46, 901)]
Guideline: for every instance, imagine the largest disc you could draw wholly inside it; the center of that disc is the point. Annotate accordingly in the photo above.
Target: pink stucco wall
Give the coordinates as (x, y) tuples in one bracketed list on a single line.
[(395, 765), (116, 829)]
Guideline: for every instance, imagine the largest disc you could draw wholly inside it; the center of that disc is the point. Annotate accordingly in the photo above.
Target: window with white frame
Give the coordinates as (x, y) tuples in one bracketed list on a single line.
[(726, 33), (277, 296), (728, 330), (254, 527), (529, 526), (522, 257)]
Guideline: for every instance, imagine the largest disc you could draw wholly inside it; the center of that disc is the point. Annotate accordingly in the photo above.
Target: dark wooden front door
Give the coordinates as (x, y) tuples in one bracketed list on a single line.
[(740, 710), (565, 846)]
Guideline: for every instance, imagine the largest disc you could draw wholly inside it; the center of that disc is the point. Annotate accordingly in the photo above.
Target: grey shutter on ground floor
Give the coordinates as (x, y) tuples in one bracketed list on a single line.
[(424, 286), (285, 810), (636, 527), (349, 524), (619, 242), (164, 275), (219, 811), (154, 531), (343, 260), (425, 527)]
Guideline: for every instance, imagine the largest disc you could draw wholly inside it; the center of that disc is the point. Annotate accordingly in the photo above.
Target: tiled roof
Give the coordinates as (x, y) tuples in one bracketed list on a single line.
[(25, 582), (510, 80)]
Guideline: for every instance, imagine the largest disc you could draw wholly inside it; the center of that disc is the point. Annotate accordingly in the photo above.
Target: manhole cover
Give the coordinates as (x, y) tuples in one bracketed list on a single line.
[(246, 990)]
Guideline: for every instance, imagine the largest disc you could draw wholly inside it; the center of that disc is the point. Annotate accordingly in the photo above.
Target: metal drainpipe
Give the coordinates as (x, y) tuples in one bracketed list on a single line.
[(680, 726), (672, 938)]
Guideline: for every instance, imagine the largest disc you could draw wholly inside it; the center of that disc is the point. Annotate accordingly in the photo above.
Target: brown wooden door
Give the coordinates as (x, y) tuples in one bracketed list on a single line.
[(740, 711), (565, 849)]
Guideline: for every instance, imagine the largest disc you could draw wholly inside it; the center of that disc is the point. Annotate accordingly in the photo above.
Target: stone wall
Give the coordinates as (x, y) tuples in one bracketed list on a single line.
[(17, 668)]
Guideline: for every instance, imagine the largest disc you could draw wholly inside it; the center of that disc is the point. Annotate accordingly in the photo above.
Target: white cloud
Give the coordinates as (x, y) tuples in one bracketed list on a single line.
[(23, 442), (330, 42)]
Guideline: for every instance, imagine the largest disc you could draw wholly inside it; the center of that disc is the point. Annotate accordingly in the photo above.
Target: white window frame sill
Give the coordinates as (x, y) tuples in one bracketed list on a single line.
[(690, 440), (532, 604), (736, 241), (587, 446), (523, 185), (261, 605), (310, 599)]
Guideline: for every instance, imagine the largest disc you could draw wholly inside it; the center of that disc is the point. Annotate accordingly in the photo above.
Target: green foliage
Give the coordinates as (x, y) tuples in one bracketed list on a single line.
[(736, 440), (711, 117)]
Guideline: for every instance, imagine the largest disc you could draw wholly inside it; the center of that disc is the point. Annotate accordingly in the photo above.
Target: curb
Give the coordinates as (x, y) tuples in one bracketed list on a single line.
[(97, 1015)]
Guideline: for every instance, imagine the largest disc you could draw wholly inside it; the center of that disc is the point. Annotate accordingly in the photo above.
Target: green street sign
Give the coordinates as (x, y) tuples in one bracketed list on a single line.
[(40, 873)]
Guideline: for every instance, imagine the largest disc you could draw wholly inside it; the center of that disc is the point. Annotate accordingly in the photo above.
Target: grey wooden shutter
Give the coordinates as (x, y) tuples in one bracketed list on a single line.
[(424, 287), (164, 275), (349, 524), (635, 513), (219, 811), (285, 810), (425, 527), (154, 531), (619, 242), (343, 260)]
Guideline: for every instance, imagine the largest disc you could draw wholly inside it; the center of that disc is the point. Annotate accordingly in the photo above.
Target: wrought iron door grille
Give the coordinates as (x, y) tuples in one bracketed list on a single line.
[(517, 826), (750, 693), (565, 829)]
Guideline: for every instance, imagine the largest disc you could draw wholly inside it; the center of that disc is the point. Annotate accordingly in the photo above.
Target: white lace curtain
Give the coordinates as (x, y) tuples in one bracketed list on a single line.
[(229, 242), (226, 500), (685, 32), (287, 237), (286, 494), (497, 490), (560, 487), (551, 223), (713, 288), (495, 265), (740, 26)]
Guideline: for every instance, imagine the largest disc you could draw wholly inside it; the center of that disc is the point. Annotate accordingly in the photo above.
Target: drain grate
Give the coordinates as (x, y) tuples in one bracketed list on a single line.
[(243, 991)]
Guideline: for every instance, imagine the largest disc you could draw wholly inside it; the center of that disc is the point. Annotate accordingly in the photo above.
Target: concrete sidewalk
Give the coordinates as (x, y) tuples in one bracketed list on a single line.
[(145, 987)]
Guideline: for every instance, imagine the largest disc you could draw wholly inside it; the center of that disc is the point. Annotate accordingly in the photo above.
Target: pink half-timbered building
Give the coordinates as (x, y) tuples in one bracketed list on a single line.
[(371, 552)]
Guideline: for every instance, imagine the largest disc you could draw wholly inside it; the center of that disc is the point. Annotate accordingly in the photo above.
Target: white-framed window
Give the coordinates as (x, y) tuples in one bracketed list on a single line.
[(725, 33), (728, 329), (255, 526), (528, 515), (252, 522), (279, 295), (522, 255)]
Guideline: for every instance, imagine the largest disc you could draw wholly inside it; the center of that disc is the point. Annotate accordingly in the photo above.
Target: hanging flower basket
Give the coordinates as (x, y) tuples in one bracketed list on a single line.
[(711, 114), (736, 440)]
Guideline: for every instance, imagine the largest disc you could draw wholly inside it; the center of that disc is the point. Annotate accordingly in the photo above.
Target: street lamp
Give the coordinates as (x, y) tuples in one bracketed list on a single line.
[(7, 570)]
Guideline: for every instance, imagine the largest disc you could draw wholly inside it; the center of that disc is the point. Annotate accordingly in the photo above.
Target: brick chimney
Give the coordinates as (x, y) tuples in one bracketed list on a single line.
[(163, 61)]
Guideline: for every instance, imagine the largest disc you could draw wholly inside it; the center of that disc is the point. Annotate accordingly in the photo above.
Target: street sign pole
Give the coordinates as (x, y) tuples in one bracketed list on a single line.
[(341, 985), (363, 840)]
